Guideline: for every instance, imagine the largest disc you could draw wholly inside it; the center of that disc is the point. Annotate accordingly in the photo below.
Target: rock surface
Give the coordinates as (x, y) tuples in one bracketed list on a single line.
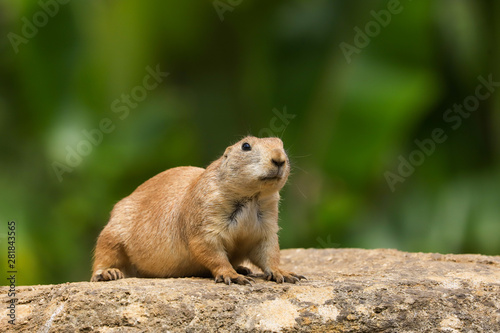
[(349, 290)]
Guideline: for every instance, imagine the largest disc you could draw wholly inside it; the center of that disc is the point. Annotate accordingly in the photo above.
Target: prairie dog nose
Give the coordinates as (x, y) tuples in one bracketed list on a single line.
[(278, 157)]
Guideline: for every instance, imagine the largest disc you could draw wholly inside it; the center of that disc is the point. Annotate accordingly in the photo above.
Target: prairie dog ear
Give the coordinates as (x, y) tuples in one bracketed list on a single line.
[(226, 153)]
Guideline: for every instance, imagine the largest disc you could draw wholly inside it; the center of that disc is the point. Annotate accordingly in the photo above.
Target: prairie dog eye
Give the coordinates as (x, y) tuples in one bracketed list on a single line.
[(246, 147)]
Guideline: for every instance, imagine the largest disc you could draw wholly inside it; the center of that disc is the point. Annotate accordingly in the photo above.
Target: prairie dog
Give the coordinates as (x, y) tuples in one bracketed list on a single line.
[(189, 221)]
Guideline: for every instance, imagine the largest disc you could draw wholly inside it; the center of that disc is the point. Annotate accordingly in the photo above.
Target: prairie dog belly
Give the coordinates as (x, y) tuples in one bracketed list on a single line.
[(247, 225)]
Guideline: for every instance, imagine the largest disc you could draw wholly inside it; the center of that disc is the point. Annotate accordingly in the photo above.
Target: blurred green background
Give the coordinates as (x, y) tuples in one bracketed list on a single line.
[(237, 68)]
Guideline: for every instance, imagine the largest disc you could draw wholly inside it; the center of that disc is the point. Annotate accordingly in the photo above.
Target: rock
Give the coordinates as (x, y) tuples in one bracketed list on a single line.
[(348, 290)]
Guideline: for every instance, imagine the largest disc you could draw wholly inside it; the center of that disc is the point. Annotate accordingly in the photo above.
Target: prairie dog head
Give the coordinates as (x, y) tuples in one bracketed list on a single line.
[(254, 165)]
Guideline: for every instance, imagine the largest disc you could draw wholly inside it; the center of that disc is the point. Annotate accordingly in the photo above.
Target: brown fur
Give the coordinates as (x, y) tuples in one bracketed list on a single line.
[(189, 221)]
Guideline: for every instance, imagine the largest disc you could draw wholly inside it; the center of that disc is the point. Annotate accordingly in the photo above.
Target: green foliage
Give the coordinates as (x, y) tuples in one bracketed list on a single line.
[(353, 119)]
